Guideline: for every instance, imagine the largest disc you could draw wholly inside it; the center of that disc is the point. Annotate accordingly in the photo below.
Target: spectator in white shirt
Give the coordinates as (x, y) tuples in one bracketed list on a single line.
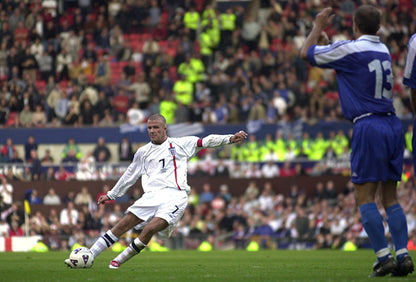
[(4, 228), (69, 215), (253, 171), (270, 169), (6, 191), (83, 197), (51, 198), (266, 197), (135, 116)]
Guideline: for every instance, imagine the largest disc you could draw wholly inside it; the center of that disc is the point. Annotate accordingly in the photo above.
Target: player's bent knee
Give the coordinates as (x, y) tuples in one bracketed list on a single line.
[(157, 224)]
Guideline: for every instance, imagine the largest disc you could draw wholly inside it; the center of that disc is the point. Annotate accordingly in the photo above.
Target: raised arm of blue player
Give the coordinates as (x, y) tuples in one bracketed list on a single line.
[(317, 34)]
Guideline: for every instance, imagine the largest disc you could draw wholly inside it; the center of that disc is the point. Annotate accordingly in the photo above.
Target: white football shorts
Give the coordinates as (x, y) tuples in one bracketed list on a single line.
[(168, 204)]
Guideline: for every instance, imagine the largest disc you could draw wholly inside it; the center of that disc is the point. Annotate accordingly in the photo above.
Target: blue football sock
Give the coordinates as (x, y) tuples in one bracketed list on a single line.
[(373, 225), (398, 229)]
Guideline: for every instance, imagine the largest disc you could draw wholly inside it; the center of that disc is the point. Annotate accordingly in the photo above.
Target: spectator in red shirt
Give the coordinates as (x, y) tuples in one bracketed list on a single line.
[(7, 150), (62, 174), (121, 102), (411, 244), (15, 230), (66, 17), (287, 170), (21, 33)]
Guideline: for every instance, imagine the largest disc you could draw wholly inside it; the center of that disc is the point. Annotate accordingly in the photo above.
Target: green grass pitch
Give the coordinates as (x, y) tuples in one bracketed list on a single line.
[(273, 265)]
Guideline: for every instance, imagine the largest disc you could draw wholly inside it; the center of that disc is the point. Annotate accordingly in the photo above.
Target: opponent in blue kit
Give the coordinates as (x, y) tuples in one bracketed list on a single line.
[(162, 166), (365, 81), (409, 79)]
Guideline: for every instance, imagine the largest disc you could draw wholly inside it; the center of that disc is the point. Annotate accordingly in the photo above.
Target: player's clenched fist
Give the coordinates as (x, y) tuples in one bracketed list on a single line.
[(238, 137), (102, 199), (324, 18)]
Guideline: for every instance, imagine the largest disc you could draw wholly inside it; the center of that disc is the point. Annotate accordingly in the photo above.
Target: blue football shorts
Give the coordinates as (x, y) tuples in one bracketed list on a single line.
[(377, 148)]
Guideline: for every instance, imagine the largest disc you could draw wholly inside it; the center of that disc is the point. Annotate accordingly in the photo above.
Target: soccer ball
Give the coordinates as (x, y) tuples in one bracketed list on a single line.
[(82, 257)]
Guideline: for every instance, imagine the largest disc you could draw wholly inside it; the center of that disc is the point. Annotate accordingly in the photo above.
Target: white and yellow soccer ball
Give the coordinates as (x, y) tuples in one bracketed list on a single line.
[(82, 258)]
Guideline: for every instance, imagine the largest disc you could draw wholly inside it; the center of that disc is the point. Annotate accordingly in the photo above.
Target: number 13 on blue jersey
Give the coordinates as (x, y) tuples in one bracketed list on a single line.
[(382, 70)]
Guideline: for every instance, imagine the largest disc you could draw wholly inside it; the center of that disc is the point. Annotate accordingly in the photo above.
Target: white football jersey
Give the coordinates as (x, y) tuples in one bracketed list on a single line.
[(165, 165)]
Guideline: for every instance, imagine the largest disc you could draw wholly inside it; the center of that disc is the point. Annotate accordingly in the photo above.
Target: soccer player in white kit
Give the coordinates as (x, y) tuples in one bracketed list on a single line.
[(162, 166)]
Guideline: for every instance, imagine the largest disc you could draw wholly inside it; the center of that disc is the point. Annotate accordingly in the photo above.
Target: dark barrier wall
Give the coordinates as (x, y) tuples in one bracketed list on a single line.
[(236, 187)]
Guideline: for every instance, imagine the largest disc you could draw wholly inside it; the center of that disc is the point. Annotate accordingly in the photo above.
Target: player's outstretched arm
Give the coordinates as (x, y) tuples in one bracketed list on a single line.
[(216, 140)]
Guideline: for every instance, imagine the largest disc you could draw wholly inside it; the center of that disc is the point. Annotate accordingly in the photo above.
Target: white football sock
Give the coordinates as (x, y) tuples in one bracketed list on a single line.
[(103, 243), (133, 249)]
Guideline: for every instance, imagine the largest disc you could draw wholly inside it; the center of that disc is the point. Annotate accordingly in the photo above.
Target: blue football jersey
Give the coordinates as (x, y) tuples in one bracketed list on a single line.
[(409, 77), (364, 74)]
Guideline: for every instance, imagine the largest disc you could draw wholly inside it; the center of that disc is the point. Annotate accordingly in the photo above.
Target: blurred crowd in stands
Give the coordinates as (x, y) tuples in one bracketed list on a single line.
[(326, 218), (106, 63)]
